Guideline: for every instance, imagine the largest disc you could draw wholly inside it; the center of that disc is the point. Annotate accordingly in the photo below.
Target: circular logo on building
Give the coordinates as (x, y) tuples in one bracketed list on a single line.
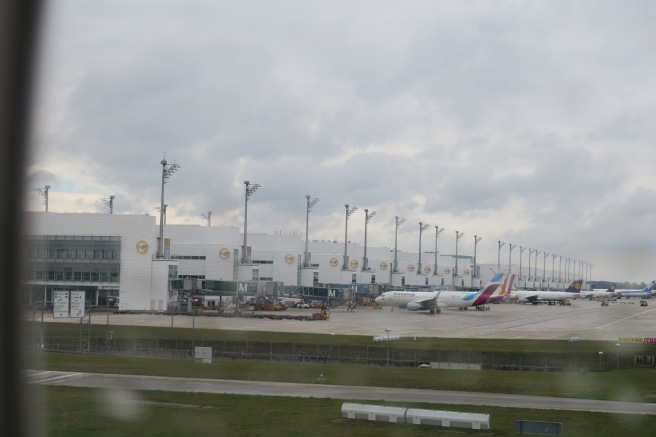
[(289, 258), (142, 246), (427, 269), (466, 272), (383, 265), (354, 263), (411, 268), (447, 271), (224, 253), (334, 261)]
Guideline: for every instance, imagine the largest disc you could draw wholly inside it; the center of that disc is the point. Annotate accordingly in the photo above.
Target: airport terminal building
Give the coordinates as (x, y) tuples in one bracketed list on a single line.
[(114, 258)]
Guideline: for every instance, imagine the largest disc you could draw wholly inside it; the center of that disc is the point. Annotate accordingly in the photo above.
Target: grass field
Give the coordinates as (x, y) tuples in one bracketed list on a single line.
[(633, 385), (76, 412), (84, 412)]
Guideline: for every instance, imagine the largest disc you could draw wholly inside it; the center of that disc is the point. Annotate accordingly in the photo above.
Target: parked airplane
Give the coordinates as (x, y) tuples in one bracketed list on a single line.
[(504, 289), (599, 292), (612, 292), (648, 291), (551, 297), (435, 301)]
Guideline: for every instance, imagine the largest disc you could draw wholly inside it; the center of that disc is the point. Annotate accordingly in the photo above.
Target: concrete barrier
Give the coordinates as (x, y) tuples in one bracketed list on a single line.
[(415, 416), (373, 412), (447, 418)]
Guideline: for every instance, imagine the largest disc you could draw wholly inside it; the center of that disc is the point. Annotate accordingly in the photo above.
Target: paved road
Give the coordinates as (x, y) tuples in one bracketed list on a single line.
[(134, 382)]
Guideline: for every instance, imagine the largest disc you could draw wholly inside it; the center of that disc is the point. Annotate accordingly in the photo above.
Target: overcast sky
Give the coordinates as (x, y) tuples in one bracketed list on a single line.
[(532, 123)]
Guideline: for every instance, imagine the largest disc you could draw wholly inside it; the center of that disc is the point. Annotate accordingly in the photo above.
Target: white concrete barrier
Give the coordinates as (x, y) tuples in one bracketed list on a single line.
[(447, 418), (373, 412)]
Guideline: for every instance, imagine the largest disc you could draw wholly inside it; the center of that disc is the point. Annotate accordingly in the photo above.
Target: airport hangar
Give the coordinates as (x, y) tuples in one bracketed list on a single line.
[(114, 258)]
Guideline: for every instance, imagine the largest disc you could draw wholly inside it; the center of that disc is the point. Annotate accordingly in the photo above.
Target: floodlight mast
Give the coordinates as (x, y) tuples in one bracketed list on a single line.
[(438, 231), (208, 217), (459, 235), (422, 228), (43, 192), (499, 255), (476, 241), (310, 202), (399, 222), (521, 253), (249, 192), (167, 172), (510, 247), (367, 216), (349, 211), (109, 202)]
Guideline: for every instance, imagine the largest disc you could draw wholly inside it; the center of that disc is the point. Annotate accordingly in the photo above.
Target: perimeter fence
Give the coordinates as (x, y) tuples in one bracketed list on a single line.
[(385, 354)]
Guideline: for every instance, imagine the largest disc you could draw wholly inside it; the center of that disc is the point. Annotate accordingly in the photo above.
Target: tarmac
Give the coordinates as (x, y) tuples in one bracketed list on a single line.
[(583, 320)]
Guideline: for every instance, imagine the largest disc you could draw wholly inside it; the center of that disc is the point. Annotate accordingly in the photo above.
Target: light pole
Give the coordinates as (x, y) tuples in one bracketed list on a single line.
[(438, 230), (388, 340), (459, 235), (349, 211), (536, 263), (367, 216), (521, 254), (530, 252), (560, 269), (109, 202), (544, 266), (43, 192), (167, 172), (553, 269), (395, 268), (208, 217), (601, 354), (248, 193), (310, 202), (476, 241), (510, 247), (617, 356), (499, 255), (422, 228), (591, 265), (108, 301)]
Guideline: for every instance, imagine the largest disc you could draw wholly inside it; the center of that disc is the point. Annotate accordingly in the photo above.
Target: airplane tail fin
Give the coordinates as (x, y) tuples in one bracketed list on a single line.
[(507, 284), (650, 287), (490, 289), (575, 287)]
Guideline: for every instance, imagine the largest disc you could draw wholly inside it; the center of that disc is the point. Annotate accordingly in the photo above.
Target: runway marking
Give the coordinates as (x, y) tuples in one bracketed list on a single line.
[(626, 318), (54, 378)]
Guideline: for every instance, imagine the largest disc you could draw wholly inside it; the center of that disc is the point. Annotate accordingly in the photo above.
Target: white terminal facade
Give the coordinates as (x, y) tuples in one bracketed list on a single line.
[(115, 256)]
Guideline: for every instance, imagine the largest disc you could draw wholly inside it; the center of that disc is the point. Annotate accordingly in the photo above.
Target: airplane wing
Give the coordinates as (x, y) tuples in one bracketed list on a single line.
[(425, 304)]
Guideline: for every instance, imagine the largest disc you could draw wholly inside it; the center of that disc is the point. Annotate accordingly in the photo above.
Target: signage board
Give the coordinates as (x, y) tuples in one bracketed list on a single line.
[(60, 305), (77, 304)]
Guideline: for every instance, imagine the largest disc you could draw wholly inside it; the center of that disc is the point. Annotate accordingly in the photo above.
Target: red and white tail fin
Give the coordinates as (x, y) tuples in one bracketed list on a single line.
[(507, 284)]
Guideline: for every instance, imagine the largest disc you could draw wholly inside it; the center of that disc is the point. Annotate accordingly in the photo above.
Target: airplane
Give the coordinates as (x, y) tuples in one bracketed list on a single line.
[(612, 292), (647, 292), (551, 297), (435, 301), (504, 289), (599, 292)]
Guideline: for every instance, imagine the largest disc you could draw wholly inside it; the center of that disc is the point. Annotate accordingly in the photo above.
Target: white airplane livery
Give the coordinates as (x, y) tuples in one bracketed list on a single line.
[(435, 301), (535, 297)]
